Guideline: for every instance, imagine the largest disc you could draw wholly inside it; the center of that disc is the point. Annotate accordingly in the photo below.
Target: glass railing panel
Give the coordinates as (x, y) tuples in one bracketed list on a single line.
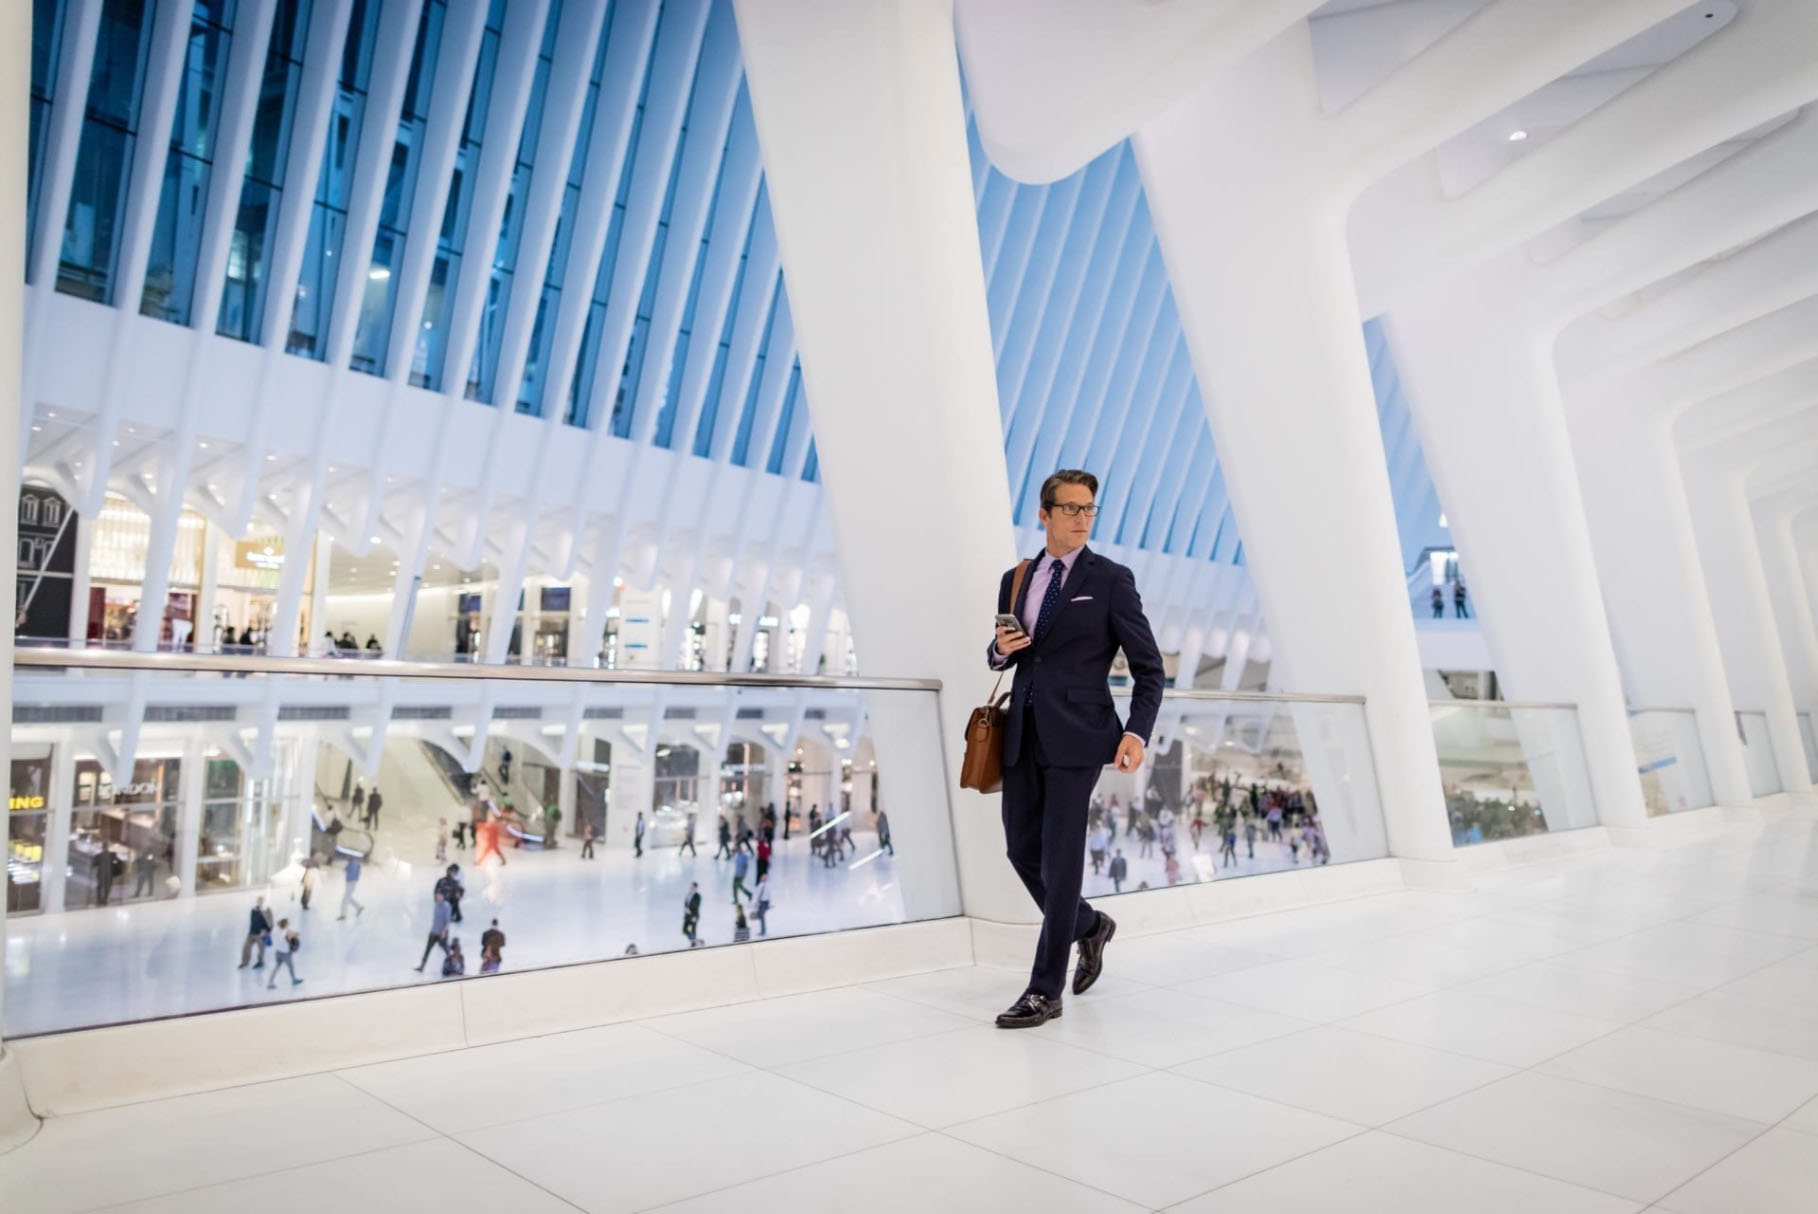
[(1758, 753), (1511, 769), (1235, 786), (153, 807), (1669, 757), (1808, 737)]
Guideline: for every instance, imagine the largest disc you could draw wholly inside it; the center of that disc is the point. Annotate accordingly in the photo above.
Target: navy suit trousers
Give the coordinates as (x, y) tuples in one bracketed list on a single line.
[(1045, 809)]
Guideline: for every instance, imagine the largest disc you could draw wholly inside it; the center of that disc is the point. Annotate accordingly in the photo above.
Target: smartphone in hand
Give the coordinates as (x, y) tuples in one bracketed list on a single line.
[(1006, 620)]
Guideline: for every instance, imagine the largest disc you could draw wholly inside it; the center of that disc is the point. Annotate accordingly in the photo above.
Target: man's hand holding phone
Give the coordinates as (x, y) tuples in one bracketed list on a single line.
[(1010, 635)]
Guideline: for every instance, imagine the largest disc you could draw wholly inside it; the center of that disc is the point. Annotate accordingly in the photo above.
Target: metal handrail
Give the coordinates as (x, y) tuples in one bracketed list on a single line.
[(203, 663), (1635, 708), (1456, 703), (1259, 697)]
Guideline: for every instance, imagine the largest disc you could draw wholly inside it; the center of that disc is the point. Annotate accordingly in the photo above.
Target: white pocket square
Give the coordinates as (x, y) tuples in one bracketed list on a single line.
[(1084, 598)]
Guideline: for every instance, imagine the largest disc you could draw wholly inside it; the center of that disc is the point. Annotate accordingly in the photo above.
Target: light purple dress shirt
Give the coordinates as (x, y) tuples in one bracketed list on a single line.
[(1039, 578), (1045, 571)]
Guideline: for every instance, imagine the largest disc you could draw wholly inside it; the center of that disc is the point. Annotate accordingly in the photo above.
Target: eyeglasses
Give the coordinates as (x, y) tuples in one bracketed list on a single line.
[(1074, 510)]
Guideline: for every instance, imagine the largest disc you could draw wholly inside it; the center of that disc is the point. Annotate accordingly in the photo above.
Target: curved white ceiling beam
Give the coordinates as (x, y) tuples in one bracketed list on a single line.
[(1761, 189), (1056, 82), (1760, 67), (1732, 360), (1736, 417), (1767, 275)]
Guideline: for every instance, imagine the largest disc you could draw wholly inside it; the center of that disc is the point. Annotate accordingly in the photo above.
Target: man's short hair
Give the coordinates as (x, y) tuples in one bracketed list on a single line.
[(1067, 476)]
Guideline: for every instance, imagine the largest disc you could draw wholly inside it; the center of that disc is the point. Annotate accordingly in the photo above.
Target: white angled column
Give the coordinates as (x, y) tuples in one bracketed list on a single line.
[(1793, 609), (1262, 278), (1740, 603), (863, 132), (16, 1120), (1480, 379), (1661, 618)]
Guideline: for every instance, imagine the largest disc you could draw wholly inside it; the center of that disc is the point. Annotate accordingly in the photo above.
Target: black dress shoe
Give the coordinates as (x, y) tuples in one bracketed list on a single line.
[(1032, 1009), (1092, 954)]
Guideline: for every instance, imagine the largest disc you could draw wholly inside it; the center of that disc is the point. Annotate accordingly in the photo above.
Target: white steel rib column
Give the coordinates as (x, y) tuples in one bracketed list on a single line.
[(394, 44), (1793, 608), (1737, 585), (860, 119), (1479, 371), (1263, 282), (57, 174), (16, 1120), (1659, 613), (245, 71)]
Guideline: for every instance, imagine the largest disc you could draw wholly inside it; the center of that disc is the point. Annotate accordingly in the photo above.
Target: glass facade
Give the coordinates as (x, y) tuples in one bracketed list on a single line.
[(380, 297), (484, 368), (104, 157), (1670, 760), (255, 224), (334, 182), (176, 240), (47, 44)]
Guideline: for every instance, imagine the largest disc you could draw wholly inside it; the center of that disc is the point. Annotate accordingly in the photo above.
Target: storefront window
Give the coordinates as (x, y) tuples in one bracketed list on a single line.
[(121, 837), (677, 771), (26, 822), (743, 779), (234, 845)]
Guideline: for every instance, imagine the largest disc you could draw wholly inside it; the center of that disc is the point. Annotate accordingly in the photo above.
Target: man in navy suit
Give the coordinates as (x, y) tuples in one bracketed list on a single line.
[(1077, 610)]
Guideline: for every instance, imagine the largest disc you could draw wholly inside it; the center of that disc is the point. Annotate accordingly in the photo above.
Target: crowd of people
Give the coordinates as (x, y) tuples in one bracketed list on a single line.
[(492, 826), (1229, 812)]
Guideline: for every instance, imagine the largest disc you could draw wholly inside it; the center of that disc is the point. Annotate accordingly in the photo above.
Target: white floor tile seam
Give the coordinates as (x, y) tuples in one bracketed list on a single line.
[(1285, 1163), (481, 1155), (1566, 959), (1660, 1202), (587, 1106), (430, 1135), (1641, 1204), (921, 1133), (775, 1068), (1535, 1067)]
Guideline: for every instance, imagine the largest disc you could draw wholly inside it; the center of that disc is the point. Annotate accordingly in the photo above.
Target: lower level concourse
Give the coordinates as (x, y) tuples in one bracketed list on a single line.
[(1618, 1030)]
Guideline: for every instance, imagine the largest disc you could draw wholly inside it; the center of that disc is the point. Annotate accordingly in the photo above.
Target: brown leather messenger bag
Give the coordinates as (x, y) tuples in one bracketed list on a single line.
[(983, 766)]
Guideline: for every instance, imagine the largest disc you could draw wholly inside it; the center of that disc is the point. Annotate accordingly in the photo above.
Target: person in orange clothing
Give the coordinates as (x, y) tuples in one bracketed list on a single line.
[(486, 840)]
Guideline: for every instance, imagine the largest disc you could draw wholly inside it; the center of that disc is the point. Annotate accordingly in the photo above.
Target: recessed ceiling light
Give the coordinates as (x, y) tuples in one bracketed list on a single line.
[(375, 539), (378, 273), (203, 445), (1517, 136)]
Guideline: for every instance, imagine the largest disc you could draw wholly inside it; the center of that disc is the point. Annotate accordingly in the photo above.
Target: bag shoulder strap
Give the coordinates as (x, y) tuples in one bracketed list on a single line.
[(1016, 582), (1016, 589)]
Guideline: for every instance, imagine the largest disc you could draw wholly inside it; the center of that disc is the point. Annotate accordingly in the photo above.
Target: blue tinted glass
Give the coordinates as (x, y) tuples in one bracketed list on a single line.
[(781, 443), (170, 277), (316, 286), (47, 30), (376, 305), (109, 128), (255, 225), (432, 334)]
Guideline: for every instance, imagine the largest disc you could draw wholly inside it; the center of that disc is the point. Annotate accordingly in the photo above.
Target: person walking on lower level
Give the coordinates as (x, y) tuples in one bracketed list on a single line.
[(741, 864), (373, 804), (763, 857), (1228, 852), (285, 953), (145, 867), (1458, 600), (1120, 869), (688, 837), (587, 839), (883, 833), (725, 847), (760, 899), (453, 963), (691, 914), (258, 931), (741, 929), (441, 840), (1439, 603), (312, 875), (637, 836), (492, 949), (350, 880), (438, 931)]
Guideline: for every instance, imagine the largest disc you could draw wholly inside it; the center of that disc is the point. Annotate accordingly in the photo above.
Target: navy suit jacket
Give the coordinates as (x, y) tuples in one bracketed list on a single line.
[(1063, 674)]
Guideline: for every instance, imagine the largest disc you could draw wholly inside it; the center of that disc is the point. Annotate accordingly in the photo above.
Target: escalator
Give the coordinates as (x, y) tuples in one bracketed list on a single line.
[(325, 843)]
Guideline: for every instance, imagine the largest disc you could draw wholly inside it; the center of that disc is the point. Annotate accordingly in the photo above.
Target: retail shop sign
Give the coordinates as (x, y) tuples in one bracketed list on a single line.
[(259, 554)]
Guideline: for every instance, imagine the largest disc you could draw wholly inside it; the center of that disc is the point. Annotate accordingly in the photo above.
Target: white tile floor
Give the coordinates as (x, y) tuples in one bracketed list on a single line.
[(1622, 1031)]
